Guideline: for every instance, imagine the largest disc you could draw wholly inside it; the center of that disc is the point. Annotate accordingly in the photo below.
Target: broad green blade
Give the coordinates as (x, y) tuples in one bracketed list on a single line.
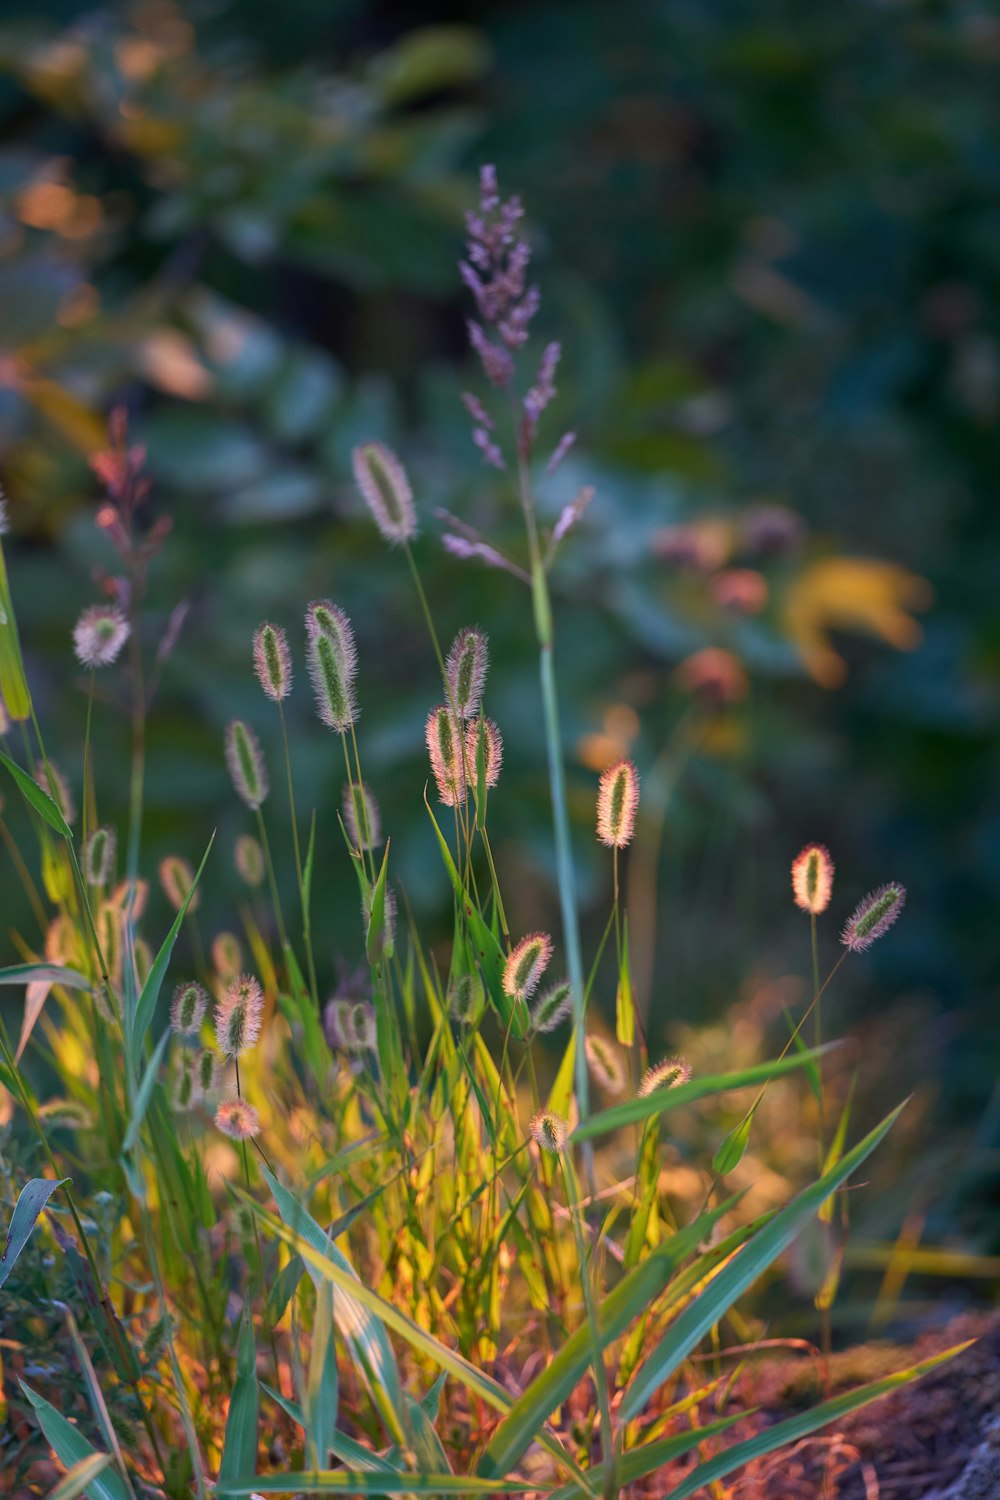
[(647, 1459), (49, 973), (30, 1202), (70, 1446), (239, 1452), (690, 1327), (348, 1482), (32, 793), (144, 1094), (80, 1477), (322, 1391), (146, 1004), (643, 1106)]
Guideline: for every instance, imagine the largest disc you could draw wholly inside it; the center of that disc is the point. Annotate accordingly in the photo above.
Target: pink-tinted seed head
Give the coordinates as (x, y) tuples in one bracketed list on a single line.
[(361, 816), (187, 1008), (604, 1064), (526, 964), (669, 1074), (245, 760), (465, 671), (331, 657), (227, 955), (99, 856), (57, 787), (484, 733), (554, 1006), (248, 858), (176, 879), (444, 746), (617, 801), (873, 916), (99, 635), (238, 1016), (812, 878), (272, 661), (385, 489), (237, 1119), (549, 1131)]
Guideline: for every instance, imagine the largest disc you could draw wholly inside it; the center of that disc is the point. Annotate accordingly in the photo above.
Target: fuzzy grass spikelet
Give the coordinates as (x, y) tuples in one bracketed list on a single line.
[(176, 879), (99, 857), (873, 916), (465, 995), (248, 857), (484, 732), (669, 1074), (206, 1074), (238, 1016), (361, 816), (549, 1131), (350, 1026), (187, 1008), (444, 746), (227, 955), (99, 635), (605, 1067), (552, 1007), (385, 489), (526, 964), (331, 659), (812, 878), (465, 671), (617, 800), (245, 760), (51, 780), (272, 661), (237, 1119)]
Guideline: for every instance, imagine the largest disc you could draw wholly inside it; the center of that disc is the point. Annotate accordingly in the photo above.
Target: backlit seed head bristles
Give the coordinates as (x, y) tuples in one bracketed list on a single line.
[(605, 1068), (388, 937), (245, 760), (873, 916), (143, 955), (99, 635), (227, 955), (248, 858), (465, 671), (237, 1119), (206, 1074), (350, 1026), (385, 489), (554, 1006), (57, 787), (361, 816), (272, 661), (108, 922), (549, 1131), (444, 746), (100, 856), (492, 750), (177, 878), (131, 896), (617, 800), (812, 878), (465, 994), (526, 965), (669, 1074), (187, 1009), (331, 672), (238, 1016), (184, 1086)]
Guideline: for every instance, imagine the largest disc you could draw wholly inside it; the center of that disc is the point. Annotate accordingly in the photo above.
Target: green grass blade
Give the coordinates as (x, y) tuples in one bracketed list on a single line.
[(32, 793), (239, 1452), (30, 1202), (322, 1392), (70, 1446), (50, 973), (643, 1107), (80, 1477), (698, 1317), (146, 1004), (144, 1094), (348, 1482), (651, 1456)]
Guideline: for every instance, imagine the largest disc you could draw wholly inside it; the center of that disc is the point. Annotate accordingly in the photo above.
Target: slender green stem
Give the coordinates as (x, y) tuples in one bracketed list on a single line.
[(610, 1488), (303, 895), (272, 882)]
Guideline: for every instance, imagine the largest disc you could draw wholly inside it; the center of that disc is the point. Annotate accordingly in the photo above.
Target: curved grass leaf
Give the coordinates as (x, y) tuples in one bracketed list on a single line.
[(44, 805), (698, 1317), (239, 1451), (30, 1202), (80, 1477), (347, 1482), (146, 1004), (47, 973), (144, 1094), (70, 1446)]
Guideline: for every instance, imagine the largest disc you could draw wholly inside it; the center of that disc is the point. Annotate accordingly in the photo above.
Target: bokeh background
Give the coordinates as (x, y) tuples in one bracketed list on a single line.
[(766, 235)]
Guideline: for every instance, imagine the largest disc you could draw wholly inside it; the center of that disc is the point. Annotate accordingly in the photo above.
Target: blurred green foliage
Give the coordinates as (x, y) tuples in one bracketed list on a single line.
[(766, 238)]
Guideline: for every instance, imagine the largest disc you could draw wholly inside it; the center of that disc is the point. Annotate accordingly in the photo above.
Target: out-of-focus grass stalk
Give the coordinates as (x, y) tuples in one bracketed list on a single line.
[(303, 895)]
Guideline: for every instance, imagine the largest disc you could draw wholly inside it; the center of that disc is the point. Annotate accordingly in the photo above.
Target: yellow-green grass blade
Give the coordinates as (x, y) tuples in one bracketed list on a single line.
[(138, 1024), (32, 793), (348, 1482), (70, 1447), (30, 1202), (81, 1477), (690, 1327), (239, 1451)]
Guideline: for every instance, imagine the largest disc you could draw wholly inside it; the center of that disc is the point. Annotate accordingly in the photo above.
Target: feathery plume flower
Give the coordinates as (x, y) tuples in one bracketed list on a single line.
[(554, 1006), (560, 451), (272, 661), (385, 489), (206, 1074), (465, 994), (237, 1119), (617, 800), (466, 548), (488, 448), (569, 515), (245, 760), (238, 1016), (99, 856), (549, 1131), (444, 746), (605, 1068), (176, 879), (350, 1025), (227, 955), (331, 660), (543, 391), (714, 675), (812, 878), (526, 964), (494, 273), (57, 788), (485, 732), (873, 916), (99, 635), (465, 671), (669, 1074), (187, 1008), (361, 816), (248, 858)]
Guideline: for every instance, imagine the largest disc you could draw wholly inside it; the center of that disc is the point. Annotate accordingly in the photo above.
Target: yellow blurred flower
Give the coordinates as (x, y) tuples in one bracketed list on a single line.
[(855, 594)]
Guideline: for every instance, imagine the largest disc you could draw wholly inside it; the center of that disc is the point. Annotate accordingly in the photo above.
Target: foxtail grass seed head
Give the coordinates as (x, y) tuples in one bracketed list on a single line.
[(388, 938), (184, 1089), (131, 896), (187, 1008), (385, 489), (206, 1074), (617, 800), (350, 1026), (99, 635), (549, 1131), (812, 878), (227, 955), (605, 1067), (465, 995), (669, 1074), (109, 920), (248, 857), (361, 816), (238, 1016), (444, 746), (176, 879), (99, 858), (272, 661), (52, 781), (465, 671), (486, 731), (526, 964), (873, 916), (552, 1008), (331, 672), (143, 955), (4, 515), (4, 717), (237, 1119), (245, 760)]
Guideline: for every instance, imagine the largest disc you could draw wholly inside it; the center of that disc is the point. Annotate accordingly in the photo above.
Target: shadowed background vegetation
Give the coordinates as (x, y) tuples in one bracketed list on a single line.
[(766, 237)]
